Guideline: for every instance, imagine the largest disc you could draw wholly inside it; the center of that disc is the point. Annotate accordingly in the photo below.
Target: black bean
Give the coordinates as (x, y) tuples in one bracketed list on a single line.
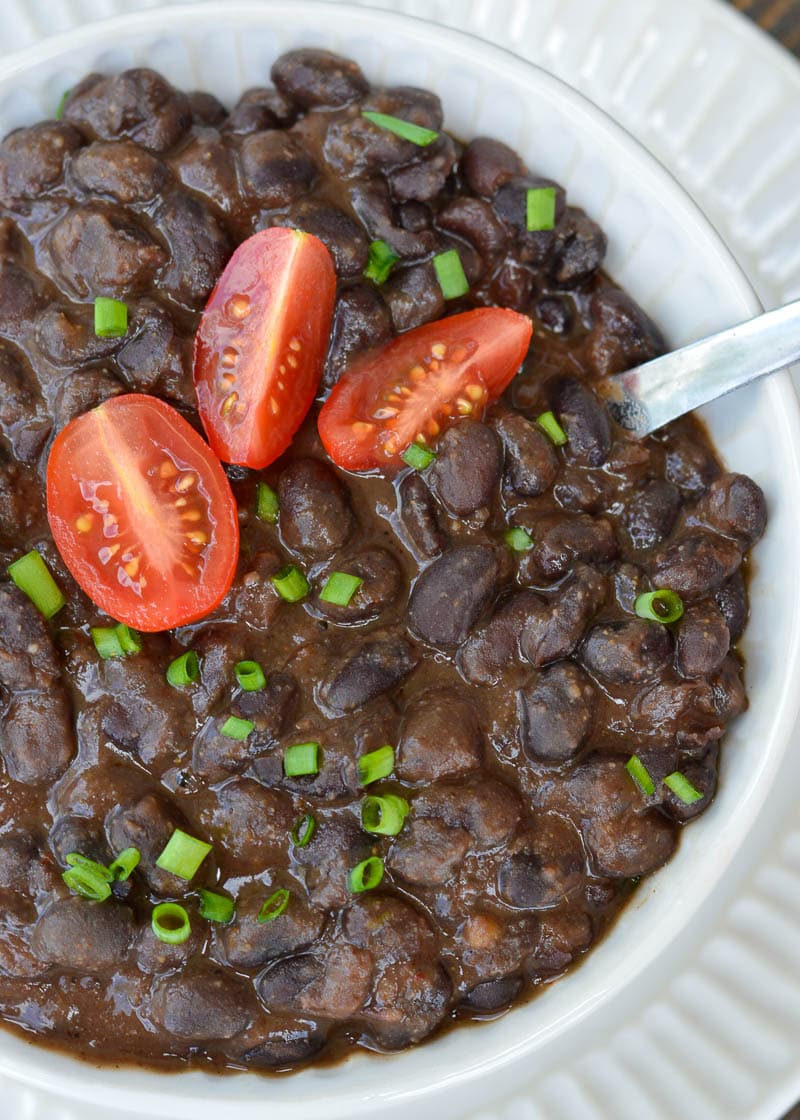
[(276, 168), (337, 846), (315, 512), (138, 104), (99, 251), (511, 204), (252, 822), (544, 866), (564, 932), (37, 740), (381, 587), (492, 995), (628, 651), (531, 460), (731, 599), (487, 164), (84, 390), (273, 1042), (120, 169), (28, 658), (415, 216), (417, 514), (650, 515), (702, 774), (201, 1003), (512, 285), (343, 237), (466, 472), (492, 648), (696, 563), (556, 713), (553, 630), (199, 248), (428, 853), (374, 667), (440, 737), (388, 926), (733, 505), (475, 220), (335, 983), (555, 313), (409, 1000), (374, 208), (32, 159), (424, 179), (585, 421), (580, 247), (207, 165), (622, 334), (413, 297), (584, 490), (360, 321), (23, 418), (156, 356), (258, 110), (248, 943), (147, 825), (562, 538), (702, 641), (84, 936), (689, 462), (19, 299), (486, 808), (312, 77), (451, 593), (205, 108)]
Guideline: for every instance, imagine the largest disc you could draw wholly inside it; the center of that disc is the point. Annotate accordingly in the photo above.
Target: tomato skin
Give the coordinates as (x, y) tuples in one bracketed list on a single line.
[(419, 384), (142, 513), (261, 344)]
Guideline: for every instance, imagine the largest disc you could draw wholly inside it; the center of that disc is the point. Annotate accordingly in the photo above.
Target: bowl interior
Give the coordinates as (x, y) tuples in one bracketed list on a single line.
[(667, 255)]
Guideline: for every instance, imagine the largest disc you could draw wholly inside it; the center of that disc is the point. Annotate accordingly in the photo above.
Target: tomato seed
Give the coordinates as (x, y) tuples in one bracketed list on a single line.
[(186, 482)]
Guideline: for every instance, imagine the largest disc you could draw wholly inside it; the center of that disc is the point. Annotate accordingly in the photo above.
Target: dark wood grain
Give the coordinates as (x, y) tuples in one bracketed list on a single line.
[(780, 18)]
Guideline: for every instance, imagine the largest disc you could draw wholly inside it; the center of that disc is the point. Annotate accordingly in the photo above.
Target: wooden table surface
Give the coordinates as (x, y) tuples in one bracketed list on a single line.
[(780, 18)]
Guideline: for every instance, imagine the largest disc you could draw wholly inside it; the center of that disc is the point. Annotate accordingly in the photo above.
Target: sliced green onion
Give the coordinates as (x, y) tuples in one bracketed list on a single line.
[(339, 589), (32, 576), (250, 676), (384, 815), (235, 727), (110, 318), (301, 759), (216, 907), (62, 104), (87, 882), (115, 641), (183, 855), (302, 831), (683, 788), (290, 583), (659, 606), (640, 774), (552, 429), (540, 208), (518, 539), (450, 274), (406, 130), (366, 875), (274, 906), (267, 508), (417, 456), (184, 669), (171, 923), (126, 862), (381, 259), (375, 765), (75, 859)]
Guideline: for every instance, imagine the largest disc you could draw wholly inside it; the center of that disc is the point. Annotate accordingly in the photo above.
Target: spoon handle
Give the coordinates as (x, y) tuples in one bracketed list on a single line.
[(650, 395)]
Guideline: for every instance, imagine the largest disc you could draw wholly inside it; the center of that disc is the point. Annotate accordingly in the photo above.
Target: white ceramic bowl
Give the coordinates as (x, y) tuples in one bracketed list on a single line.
[(668, 256)]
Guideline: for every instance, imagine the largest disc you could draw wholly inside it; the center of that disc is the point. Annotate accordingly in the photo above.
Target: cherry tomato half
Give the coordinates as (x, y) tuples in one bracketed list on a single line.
[(142, 513), (418, 384), (261, 344)]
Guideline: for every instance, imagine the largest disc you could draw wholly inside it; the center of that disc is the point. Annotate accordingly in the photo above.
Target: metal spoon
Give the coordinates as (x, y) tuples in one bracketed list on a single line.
[(650, 395)]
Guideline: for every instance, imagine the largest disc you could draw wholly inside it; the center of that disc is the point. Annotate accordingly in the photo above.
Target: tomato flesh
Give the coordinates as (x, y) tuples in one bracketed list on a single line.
[(142, 513), (417, 385), (261, 344)]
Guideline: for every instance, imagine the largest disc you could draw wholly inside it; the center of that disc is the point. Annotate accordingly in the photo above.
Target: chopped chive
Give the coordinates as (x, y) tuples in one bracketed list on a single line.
[(366, 875), (235, 727), (518, 539), (110, 318), (290, 583), (339, 589), (62, 104), (375, 765), (250, 676), (184, 669), (540, 208), (274, 906), (126, 862), (384, 815), (32, 576), (183, 855), (683, 788), (552, 429), (267, 508), (87, 882), (302, 831), (300, 760), (662, 605), (640, 774), (382, 258), (115, 641), (215, 907), (450, 274), (406, 130), (418, 457), (75, 859), (170, 923)]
